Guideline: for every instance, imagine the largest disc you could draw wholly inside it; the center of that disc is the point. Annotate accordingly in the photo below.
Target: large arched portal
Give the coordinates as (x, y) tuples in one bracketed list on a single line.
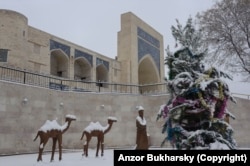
[(82, 69), (147, 74), (101, 74), (59, 63)]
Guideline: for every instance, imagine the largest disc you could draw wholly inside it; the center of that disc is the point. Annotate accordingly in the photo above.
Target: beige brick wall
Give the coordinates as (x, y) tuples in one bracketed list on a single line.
[(20, 122)]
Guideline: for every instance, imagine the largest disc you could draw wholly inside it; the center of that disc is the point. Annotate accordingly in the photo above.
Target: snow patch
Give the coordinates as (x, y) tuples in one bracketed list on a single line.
[(112, 118), (51, 125), (138, 108), (218, 146), (71, 116), (141, 121), (95, 126)]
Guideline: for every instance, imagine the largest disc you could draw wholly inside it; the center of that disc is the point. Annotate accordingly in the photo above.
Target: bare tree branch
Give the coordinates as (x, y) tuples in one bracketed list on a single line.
[(227, 34)]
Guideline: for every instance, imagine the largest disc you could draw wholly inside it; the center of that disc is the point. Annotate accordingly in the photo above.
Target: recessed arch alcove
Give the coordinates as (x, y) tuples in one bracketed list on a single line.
[(147, 74), (101, 73), (59, 63), (82, 69)]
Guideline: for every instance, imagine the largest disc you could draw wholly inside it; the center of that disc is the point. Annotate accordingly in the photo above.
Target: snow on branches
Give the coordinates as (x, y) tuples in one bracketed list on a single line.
[(194, 115)]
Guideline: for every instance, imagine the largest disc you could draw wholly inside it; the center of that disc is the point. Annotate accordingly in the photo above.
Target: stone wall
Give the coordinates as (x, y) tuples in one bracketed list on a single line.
[(20, 118), (241, 111)]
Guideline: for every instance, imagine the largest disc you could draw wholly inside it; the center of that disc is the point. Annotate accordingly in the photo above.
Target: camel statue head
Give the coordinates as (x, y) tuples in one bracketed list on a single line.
[(111, 120), (69, 118)]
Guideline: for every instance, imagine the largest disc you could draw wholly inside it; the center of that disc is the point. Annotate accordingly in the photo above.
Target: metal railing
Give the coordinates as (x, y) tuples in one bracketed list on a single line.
[(244, 96), (63, 84)]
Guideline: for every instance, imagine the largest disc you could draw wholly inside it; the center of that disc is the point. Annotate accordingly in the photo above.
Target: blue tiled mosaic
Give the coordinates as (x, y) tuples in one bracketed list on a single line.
[(3, 55), (87, 56), (148, 37), (57, 45), (100, 61), (145, 48)]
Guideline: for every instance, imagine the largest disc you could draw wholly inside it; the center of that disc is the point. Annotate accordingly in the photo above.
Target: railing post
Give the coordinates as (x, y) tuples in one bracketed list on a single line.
[(24, 77), (61, 85), (99, 85)]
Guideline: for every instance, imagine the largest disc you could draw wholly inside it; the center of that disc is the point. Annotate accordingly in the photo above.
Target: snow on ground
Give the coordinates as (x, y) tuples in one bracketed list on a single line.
[(68, 158)]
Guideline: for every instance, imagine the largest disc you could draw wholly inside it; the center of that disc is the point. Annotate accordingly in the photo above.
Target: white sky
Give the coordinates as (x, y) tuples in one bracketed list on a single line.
[(94, 24)]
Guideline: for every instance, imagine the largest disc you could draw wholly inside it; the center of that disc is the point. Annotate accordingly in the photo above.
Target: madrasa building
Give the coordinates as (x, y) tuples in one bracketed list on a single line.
[(29, 56), (139, 60)]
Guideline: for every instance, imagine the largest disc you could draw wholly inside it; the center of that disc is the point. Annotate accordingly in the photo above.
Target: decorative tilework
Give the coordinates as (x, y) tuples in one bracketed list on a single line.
[(145, 48), (87, 56), (148, 37), (100, 61), (56, 45), (148, 44), (3, 55)]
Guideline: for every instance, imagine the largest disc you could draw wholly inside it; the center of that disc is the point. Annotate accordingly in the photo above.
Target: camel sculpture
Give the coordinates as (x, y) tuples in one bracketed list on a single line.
[(96, 130), (51, 129)]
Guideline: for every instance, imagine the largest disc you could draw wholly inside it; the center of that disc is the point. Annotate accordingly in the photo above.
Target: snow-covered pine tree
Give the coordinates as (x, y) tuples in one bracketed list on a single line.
[(195, 114)]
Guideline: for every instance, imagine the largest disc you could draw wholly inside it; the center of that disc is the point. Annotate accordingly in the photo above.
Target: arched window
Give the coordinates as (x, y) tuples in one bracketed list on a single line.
[(59, 63)]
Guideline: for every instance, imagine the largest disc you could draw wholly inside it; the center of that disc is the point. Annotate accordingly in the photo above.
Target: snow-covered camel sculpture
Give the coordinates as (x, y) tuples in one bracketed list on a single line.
[(51, 129), (95, 129)]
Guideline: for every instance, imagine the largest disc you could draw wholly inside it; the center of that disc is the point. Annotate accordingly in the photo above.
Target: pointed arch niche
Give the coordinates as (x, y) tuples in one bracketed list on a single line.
[(101, 74), (82, 69), (59, 63), (147, 74)]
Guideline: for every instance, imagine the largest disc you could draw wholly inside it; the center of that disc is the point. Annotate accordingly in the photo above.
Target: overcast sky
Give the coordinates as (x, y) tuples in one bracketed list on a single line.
[(94, 24)]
